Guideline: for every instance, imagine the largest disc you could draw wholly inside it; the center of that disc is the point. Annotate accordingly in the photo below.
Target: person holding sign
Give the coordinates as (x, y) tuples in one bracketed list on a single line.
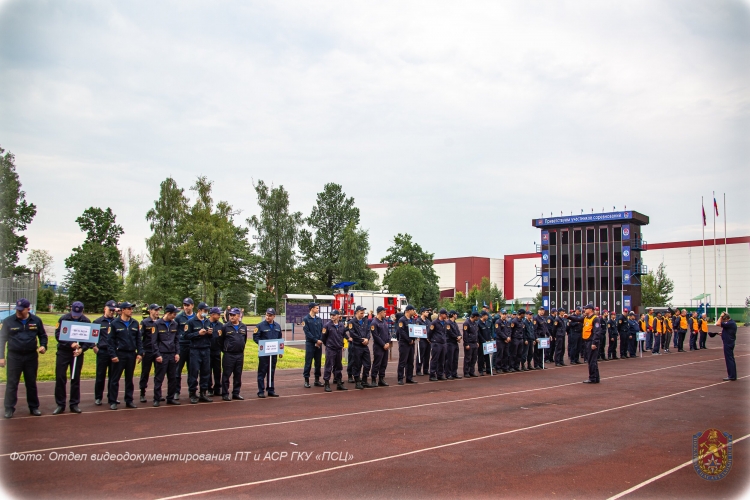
[(232, 340), (166, 348), (267, 329), (484, 329), (67, 352), (540, 331), (381, 338), (333, 338), (471, 343), (423, 360), (20, 332), (592, 334), (199, 333), (437, 337), (126, 351), (406, 346), (359, 336)]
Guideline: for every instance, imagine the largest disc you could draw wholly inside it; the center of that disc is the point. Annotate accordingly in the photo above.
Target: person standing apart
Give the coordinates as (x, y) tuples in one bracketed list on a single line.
[(728, 337), (592, 333)]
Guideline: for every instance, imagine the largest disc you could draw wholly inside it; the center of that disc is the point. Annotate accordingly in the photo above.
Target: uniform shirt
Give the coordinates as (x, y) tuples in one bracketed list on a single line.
[(357, 330), (148, 330), (266, 331), (64, 345), (729, 332), (216, 326), (529, 332), (592, 330), (166, 340), (622, 324), (471, 332), (103, 332), (380, 333), (436, 333), (402, 330), (540, 327), (575, 323), (517, 328), (502, 329), (452, 332), (313, 328), (333, 335), (232, 338), (124, 337), (192, 333), (484, 331), (21, 334), (182, 320)]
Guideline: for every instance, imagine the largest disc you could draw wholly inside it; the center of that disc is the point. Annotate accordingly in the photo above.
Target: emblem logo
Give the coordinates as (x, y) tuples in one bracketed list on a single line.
[(712, 454), (65, 329)]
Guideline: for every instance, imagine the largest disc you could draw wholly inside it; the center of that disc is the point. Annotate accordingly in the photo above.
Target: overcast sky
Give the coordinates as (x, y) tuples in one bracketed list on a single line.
[(457, 122)]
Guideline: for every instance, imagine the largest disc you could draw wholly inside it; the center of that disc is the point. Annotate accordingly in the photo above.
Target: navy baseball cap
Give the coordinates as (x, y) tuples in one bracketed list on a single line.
[(410, 308), (359, 308), (335, 312), (170, 308), (154, 307), (484, 313), (215, 310), (76, 309), (553, 310), (589, 306), (503, 311), (126, 305), (311, 305), (187, 301), (452, 313), (379, 309), (111, 304), (475, 314), (522, 311), (235, 310), (442, 311), (22, 304), (202, 306), (271, 311)]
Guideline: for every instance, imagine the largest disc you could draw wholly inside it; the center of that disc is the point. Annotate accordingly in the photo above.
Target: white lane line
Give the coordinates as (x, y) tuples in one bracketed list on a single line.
[(341, 415), (663, 474), (446, 445)]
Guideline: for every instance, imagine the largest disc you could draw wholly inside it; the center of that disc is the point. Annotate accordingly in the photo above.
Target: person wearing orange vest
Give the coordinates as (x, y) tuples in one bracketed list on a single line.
[(682, 331), (657, 328), (704, 331), (668, 330), (694, 330), (592, 336), (650, 329)]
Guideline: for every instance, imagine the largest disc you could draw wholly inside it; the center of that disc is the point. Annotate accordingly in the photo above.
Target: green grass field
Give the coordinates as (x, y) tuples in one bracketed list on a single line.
[(293, 357)]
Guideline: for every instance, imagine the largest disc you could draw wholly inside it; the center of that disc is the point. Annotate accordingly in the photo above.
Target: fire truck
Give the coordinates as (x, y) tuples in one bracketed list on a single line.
[(347, 300)]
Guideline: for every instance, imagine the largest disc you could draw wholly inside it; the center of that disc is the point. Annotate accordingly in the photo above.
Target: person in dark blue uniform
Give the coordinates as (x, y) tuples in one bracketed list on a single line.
[(67, 352), (437, 337), (103, 359), (556, 330), (517, 329), (575, 330), (268, 329), (148, 330), (215, 325), (359, 335), (453, 337), (613, 335), (728, 338), (166, 347), (405, 371), (232, 338), (591, 335), (485, 334), (182, 319), (423, 355), (621, 325), (313, 328), (633, 330), (529, 340), (333, 340), (199, 334), (540, 330), (381, 344), (20, 332), (470, 336), (503, 340), (126, 350)]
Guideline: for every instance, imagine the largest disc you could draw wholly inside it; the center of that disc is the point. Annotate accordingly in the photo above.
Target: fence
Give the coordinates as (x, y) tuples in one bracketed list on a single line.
[(21, 286)]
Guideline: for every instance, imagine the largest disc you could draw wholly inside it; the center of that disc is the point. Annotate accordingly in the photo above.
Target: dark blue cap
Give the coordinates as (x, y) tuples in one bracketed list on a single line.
[(553, 310), (442, 311), (311, 305), (154, 307), (589, 306), (522, 311), (22, 304), (452, 313), (76, 309), (215, 310), (187, 301), (335, 312), (126, 305), (484, 313), (235, 310), (359, 308), (503, 311), (202, 306), (410, 308), (111, 304), (422, 309), (170, 308), (379, 309), (475, 314), (271, 310)]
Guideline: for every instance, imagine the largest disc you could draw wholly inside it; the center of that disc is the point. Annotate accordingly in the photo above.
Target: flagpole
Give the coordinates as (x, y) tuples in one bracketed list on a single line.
[(716, 293), (726, 258), (703, 230)]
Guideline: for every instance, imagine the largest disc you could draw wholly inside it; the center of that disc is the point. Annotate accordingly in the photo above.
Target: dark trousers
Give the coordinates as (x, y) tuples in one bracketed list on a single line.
[(624, 343), (484, 360), (729, 358), (560, 349), (168, 368), (470, 358), (17, 363), (231, 363), (602, 351), (349, 358), (360, 361), (593, 361), (574, 346), (146, 363), (437, 360), (537, 355), (649, 341), (693, 341), (312, 353), (612, 349), (333, 364), (405, 368), (451, 359), (103, 369), (527, 353), (549, 353), (266, 367), (64, 362), (516, 353), (126, 364), (681, 339), (501, 356), (667, 339), (676, 338), (702, 341), (423, 360), (379, 361), (632, 344), (184, 361), (215, 384), (200, 366)]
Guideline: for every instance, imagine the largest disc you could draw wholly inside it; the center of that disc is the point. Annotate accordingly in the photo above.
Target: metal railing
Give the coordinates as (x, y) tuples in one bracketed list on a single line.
[(21, 286)]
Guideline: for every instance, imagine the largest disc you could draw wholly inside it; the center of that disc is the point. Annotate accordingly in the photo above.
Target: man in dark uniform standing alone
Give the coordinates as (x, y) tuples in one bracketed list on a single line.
[(436, 335), (67, 352), (381, 339), (268, 329), (728, 337), (126, 351), (182, 320), (333, 340), (405, 371), (591, 335), (359, 335), (103, 359), (313, 328), (471, 344), (166, 346), (20, 332), (423, 357), (148, 330)]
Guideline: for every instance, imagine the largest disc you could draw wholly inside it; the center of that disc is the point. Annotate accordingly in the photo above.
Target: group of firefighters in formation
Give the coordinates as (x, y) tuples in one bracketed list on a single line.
[(212, 347)]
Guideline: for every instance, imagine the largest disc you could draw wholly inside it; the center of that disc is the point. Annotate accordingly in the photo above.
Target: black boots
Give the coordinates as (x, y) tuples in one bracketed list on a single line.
[(359, 383), (204, 398), (340, 386), (193, 398), (307, 382), (381, 382), (317, 382), (328, 386), (351, 379), (143, 395)]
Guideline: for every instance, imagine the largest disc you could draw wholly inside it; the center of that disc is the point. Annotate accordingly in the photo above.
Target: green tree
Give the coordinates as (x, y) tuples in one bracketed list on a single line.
[(405, 251), (136, 280), (40, 262), (94, 267), (321, 249), (277, 231), (537, 301), (60, 302), (656, 288), (408, 280), (15, 214), (44, 298), (355, 246)]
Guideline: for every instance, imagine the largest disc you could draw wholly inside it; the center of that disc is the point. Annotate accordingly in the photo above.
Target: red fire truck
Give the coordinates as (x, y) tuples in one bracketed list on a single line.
[(347, 300)]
